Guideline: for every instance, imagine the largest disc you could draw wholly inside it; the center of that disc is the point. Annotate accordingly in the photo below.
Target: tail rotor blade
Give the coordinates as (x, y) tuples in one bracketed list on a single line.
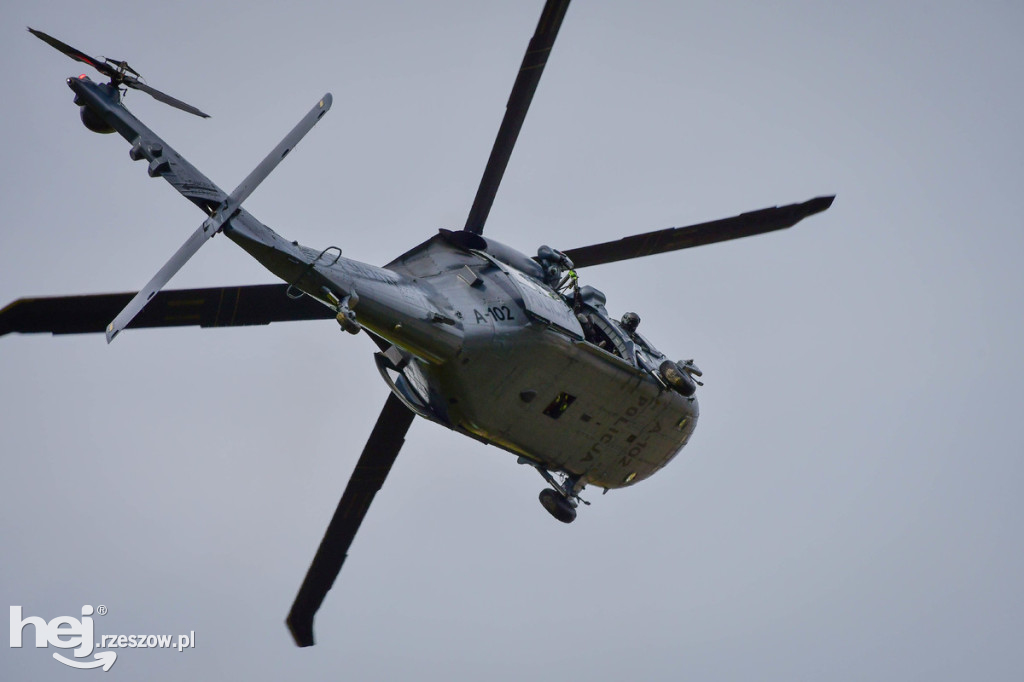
[(372, 468), (118, 71), (163, 97), (74, 53)]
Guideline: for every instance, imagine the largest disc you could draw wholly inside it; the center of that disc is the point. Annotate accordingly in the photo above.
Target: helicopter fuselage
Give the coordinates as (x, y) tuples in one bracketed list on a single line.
[(488, 349)]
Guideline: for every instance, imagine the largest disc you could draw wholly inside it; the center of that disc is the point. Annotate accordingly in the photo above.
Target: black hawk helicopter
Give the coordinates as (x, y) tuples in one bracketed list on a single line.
[(474, 335)]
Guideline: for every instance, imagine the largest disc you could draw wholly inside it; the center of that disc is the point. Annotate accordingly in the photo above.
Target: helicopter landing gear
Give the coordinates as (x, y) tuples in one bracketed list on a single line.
[(558, 505), (680, 377), (563, 497)]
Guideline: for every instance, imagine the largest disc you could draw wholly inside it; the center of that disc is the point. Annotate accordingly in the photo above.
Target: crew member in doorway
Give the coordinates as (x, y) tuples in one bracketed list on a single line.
[(629, 322)]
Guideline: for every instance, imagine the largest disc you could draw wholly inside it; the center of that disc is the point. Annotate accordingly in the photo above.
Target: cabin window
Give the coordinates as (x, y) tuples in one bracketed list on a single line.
[(559, 405)]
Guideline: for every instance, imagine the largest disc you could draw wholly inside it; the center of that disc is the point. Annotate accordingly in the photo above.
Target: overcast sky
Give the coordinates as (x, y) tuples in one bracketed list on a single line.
[(850, 505)]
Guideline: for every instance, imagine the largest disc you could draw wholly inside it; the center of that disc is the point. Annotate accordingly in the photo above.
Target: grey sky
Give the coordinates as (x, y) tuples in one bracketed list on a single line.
[(849, 507)]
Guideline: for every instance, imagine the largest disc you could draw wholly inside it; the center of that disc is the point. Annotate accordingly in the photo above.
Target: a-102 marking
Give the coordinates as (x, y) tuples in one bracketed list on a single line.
[(498, 313)]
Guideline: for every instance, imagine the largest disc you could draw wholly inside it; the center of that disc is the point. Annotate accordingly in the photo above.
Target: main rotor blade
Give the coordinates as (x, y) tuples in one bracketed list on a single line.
[(258, 304), (163, 97), (673, 238), (75, 54), (372, 468), (221, 215), (277, 154), (515, 111), (162, 277)]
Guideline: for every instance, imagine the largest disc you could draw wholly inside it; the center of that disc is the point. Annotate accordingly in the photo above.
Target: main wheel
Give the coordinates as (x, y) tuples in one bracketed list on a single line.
[(677, 378), (557, 505)]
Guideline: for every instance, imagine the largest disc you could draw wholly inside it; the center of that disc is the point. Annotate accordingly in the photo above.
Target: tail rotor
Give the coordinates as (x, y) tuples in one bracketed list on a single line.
[(121, 75)]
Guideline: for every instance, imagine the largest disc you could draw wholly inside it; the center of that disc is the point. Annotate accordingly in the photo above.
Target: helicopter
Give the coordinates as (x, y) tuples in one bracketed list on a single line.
[(472, 334)]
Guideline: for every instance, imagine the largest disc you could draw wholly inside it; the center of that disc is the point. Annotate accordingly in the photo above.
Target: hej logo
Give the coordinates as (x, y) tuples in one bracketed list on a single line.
[(63, 632)]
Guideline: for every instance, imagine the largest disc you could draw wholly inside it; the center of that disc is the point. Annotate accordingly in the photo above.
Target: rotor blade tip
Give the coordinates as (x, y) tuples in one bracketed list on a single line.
[(302, 630), (819, 204)]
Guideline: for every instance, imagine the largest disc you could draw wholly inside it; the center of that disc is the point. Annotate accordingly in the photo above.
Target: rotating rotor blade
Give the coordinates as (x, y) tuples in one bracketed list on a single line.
[(75, 54), (221, 215), (163, 97), (515, 111), (118, 74), (372, 468), (204, 232), (674, 238), (257, 304)]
